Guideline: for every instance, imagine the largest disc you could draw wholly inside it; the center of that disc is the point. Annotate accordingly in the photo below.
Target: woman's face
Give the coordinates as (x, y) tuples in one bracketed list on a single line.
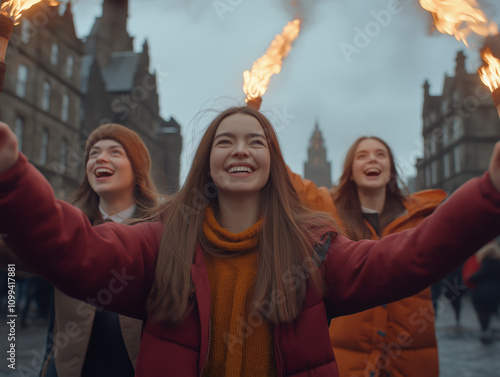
[(371, 168), (240, 160), (109, 170)]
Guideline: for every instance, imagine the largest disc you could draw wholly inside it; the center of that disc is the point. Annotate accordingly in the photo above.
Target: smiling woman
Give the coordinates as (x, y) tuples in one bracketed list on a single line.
[(369, 204), (117, 187), (240, 160), (224, 302), (110, 175), (117, 173)]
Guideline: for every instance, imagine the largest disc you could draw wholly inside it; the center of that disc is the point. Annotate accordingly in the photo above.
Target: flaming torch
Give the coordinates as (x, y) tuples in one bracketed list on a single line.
[(256, 81), (490, 76), (10, 12), (6, 28), (459, 18)]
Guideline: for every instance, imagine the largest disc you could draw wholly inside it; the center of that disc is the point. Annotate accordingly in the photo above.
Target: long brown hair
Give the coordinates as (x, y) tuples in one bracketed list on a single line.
[(347, 202), (289, 233)]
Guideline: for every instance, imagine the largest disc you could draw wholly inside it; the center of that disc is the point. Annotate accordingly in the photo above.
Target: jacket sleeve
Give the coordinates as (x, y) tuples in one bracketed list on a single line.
[(110, 266), (314, 197), (364, 274)]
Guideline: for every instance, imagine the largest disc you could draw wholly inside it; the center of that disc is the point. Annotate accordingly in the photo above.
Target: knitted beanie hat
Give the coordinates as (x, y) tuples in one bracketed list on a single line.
[(134, 146)]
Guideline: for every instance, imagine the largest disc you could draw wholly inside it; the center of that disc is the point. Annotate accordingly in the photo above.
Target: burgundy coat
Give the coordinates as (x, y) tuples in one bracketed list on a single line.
[(112, 266)]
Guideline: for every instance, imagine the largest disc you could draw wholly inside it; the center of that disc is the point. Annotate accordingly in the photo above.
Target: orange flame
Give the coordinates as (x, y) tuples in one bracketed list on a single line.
[(459, 18), (256, 81), (15, 8), (490, 73)]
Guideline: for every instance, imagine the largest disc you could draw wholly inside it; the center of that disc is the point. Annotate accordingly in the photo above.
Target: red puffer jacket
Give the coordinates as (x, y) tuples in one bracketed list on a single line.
[(112, 265)]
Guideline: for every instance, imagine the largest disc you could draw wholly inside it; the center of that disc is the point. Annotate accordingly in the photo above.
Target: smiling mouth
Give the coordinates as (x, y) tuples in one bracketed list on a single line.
[(103, 172), (372, 172), (240, 170)]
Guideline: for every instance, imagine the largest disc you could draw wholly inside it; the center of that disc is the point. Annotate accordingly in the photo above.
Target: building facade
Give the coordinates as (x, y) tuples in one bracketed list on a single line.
[(460, 129), (59, 88), (317, 168), (41, 98)]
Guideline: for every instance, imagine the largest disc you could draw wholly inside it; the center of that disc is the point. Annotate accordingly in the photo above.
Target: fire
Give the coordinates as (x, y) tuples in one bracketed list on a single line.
[(459, 18), (256, 81), (490, 73), (15, 8)]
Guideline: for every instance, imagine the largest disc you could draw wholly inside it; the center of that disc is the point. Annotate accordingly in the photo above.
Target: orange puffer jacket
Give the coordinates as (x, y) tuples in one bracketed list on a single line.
[(393, 340)]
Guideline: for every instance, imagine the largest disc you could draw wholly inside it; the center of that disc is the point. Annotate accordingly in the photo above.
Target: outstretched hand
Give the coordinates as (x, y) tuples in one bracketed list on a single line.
[(8, 148), (494, 168)]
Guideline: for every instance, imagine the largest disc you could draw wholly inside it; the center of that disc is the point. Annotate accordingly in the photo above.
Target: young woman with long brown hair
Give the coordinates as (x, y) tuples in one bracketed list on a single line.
[(396, 339), (238, 279), (117, 186)]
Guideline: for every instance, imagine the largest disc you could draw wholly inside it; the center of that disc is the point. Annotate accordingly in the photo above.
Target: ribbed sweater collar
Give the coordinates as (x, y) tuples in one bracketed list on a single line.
[(224, 239)]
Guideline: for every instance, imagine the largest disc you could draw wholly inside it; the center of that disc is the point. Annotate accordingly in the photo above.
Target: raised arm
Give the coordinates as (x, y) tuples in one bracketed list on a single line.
[(364, 274), (110, 265)]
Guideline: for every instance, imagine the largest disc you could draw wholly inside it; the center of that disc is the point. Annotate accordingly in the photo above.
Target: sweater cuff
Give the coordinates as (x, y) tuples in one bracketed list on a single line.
[(11, 176), (488, 190)]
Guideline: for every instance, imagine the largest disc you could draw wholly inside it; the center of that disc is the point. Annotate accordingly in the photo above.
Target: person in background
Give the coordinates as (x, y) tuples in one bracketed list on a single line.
[(82, 340), (239, 277), (482, 276), (396, 339)]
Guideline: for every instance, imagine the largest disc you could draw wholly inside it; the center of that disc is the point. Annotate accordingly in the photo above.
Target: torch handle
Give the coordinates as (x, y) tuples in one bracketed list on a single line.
[(2, 74)]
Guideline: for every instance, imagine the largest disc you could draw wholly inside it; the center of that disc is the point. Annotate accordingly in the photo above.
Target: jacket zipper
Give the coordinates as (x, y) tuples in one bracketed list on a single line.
[(209, 342)]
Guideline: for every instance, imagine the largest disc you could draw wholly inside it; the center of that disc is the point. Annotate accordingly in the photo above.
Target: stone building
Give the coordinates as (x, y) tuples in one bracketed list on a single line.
[(317, 168), (460, 129), (59, 88), (41, 97), (131, 92)]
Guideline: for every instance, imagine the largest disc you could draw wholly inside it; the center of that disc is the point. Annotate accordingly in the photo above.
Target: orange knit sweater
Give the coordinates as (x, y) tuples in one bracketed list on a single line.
[(241, 341)]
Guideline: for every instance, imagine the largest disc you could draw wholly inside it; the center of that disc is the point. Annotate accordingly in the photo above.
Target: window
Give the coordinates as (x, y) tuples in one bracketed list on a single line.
[(433, 144), (54, 54), (22, 80), (65, 107), (427, 147), (445, 135), (19, 131), (427, 176), (433, 173), (446, 165), (47, 91), (444, 106), (44, 148), (63, 156), (70, 62), (456, 159), (457, 129), (25, 30)]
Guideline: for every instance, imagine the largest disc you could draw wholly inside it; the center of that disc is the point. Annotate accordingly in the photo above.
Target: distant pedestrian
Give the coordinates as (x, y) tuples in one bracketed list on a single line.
[(452, 287), (485, 284)]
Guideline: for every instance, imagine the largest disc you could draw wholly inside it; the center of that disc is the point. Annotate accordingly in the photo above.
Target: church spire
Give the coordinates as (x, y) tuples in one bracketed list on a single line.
[(114, 21), (109, 33), (317, 168)]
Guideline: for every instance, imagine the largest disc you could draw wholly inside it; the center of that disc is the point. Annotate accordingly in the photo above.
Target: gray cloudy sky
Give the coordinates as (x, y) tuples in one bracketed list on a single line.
[(351, 85)]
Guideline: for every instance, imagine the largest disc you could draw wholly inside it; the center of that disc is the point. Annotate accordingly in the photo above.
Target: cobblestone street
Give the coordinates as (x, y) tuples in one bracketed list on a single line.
[(461, 354)]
